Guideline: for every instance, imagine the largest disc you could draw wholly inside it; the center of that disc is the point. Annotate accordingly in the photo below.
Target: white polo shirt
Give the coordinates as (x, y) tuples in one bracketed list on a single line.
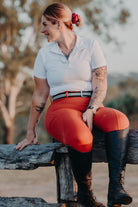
[(72, 74)]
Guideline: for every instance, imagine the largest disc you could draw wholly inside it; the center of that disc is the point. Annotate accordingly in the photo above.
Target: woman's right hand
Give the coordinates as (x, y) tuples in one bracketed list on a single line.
[(88, 118), (30, 139)]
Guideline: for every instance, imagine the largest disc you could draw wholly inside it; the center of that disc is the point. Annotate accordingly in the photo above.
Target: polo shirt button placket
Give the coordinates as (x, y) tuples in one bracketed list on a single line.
[(66, 61), (63, 59)]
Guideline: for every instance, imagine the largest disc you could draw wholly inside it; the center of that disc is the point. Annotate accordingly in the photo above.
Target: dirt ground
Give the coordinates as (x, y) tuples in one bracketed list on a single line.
[(42, 183)]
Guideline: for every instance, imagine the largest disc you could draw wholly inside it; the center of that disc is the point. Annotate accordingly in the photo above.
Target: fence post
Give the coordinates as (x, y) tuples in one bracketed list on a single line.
[(65, 192)]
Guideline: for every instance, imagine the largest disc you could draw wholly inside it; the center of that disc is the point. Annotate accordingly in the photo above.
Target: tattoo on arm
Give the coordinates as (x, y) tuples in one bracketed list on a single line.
[(100, 73), (99, 83), (40, 108)]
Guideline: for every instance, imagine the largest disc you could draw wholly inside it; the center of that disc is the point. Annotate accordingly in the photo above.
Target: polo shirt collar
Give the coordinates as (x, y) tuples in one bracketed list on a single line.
[(78, 46), (79, 43)]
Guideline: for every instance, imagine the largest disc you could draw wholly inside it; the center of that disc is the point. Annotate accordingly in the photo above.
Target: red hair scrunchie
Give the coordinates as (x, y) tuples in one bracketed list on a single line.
[(75, 18)]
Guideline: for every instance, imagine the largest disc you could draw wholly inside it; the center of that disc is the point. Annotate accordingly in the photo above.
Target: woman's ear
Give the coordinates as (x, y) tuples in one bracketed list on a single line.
[(59, 24)]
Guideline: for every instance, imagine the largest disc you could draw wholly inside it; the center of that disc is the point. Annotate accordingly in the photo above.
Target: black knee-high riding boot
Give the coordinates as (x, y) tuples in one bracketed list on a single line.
[(81, 167), (117, 146)]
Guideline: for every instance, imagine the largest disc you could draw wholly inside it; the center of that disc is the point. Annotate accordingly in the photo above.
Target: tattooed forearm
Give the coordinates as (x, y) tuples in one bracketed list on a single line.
[(97, 98), (99, 84), (40, 108)]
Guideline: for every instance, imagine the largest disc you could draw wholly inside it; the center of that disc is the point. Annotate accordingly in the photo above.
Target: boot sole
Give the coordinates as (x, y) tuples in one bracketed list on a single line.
[(124, 200)]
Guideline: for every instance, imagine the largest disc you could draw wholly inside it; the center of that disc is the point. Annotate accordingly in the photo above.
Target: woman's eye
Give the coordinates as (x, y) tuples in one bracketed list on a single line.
[(44, 24)]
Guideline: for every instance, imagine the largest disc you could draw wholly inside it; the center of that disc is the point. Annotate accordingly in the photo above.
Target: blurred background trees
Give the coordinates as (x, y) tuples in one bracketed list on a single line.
[(124, 97), (20, 40)]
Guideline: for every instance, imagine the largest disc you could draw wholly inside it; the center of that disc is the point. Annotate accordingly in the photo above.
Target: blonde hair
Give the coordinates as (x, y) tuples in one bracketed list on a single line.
[(61, 12)]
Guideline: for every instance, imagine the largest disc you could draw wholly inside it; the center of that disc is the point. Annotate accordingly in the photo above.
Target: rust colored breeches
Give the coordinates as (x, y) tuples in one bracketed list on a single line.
[(63, 121)]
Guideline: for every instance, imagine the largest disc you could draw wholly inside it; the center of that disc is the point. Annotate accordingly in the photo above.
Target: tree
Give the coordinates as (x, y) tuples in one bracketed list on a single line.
[(16, 57), (18, 49)]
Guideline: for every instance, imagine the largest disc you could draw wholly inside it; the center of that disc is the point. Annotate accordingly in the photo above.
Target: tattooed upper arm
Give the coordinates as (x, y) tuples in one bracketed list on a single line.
[(99, 74), (99, 78)]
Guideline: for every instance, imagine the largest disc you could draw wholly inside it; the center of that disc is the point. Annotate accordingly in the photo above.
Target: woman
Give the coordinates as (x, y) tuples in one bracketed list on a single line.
[(73, 71)]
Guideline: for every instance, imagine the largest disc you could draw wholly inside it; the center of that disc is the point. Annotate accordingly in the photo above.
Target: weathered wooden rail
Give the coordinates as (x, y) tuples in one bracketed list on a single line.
[(55, 154)]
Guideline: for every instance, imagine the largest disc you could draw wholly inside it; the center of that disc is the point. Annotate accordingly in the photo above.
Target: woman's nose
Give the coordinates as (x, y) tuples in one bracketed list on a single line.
[(42, 30)]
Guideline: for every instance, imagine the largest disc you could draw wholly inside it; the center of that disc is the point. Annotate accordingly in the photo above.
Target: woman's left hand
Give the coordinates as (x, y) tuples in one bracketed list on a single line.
[(88, 118)]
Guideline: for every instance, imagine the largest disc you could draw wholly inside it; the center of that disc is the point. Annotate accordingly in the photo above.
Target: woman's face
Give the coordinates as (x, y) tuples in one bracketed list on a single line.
[(50, 30)]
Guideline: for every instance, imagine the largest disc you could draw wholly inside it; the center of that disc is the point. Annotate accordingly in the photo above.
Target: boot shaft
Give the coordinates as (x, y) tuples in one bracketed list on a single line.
[(116, 149), (81, 167), (81, 164)]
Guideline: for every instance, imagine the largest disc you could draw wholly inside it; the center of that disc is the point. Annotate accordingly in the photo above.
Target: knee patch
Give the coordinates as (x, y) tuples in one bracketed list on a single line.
[(82, 141)]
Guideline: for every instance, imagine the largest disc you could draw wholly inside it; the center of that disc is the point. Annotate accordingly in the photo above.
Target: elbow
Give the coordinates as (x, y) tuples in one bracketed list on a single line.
[(40, 96)]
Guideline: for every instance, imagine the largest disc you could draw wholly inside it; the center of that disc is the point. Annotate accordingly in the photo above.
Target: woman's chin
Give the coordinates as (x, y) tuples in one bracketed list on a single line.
[(50, 40)]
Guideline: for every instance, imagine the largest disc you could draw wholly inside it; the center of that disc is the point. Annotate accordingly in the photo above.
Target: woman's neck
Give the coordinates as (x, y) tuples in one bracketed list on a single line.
[(67, 42)]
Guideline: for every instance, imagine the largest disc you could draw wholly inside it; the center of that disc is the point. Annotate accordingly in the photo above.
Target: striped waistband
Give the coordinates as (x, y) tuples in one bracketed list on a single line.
[(72, 94)]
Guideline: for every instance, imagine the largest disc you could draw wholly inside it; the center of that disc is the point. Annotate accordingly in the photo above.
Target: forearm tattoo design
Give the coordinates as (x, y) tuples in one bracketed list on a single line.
[(40, 108), (100, 86)]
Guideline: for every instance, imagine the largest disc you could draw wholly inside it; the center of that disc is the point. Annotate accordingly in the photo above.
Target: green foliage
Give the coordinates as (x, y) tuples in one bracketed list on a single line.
[(124, 97), (126, 103)]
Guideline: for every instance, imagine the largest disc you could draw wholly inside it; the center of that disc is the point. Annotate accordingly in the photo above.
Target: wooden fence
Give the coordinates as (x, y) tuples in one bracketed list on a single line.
[(55, 154)]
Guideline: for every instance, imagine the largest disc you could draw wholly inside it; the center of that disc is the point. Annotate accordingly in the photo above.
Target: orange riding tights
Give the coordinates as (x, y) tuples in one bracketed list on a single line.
[(63, 121)]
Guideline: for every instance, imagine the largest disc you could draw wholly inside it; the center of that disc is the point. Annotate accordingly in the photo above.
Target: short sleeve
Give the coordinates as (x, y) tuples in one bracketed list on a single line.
[(39, 67), (97, 57)]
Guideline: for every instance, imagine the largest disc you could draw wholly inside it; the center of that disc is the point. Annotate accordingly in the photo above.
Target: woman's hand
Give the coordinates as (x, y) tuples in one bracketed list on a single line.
[(30, 139), (88, 118)]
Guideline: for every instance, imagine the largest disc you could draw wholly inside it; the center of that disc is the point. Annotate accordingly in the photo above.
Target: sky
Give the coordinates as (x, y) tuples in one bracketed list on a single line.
[(125, 60)]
